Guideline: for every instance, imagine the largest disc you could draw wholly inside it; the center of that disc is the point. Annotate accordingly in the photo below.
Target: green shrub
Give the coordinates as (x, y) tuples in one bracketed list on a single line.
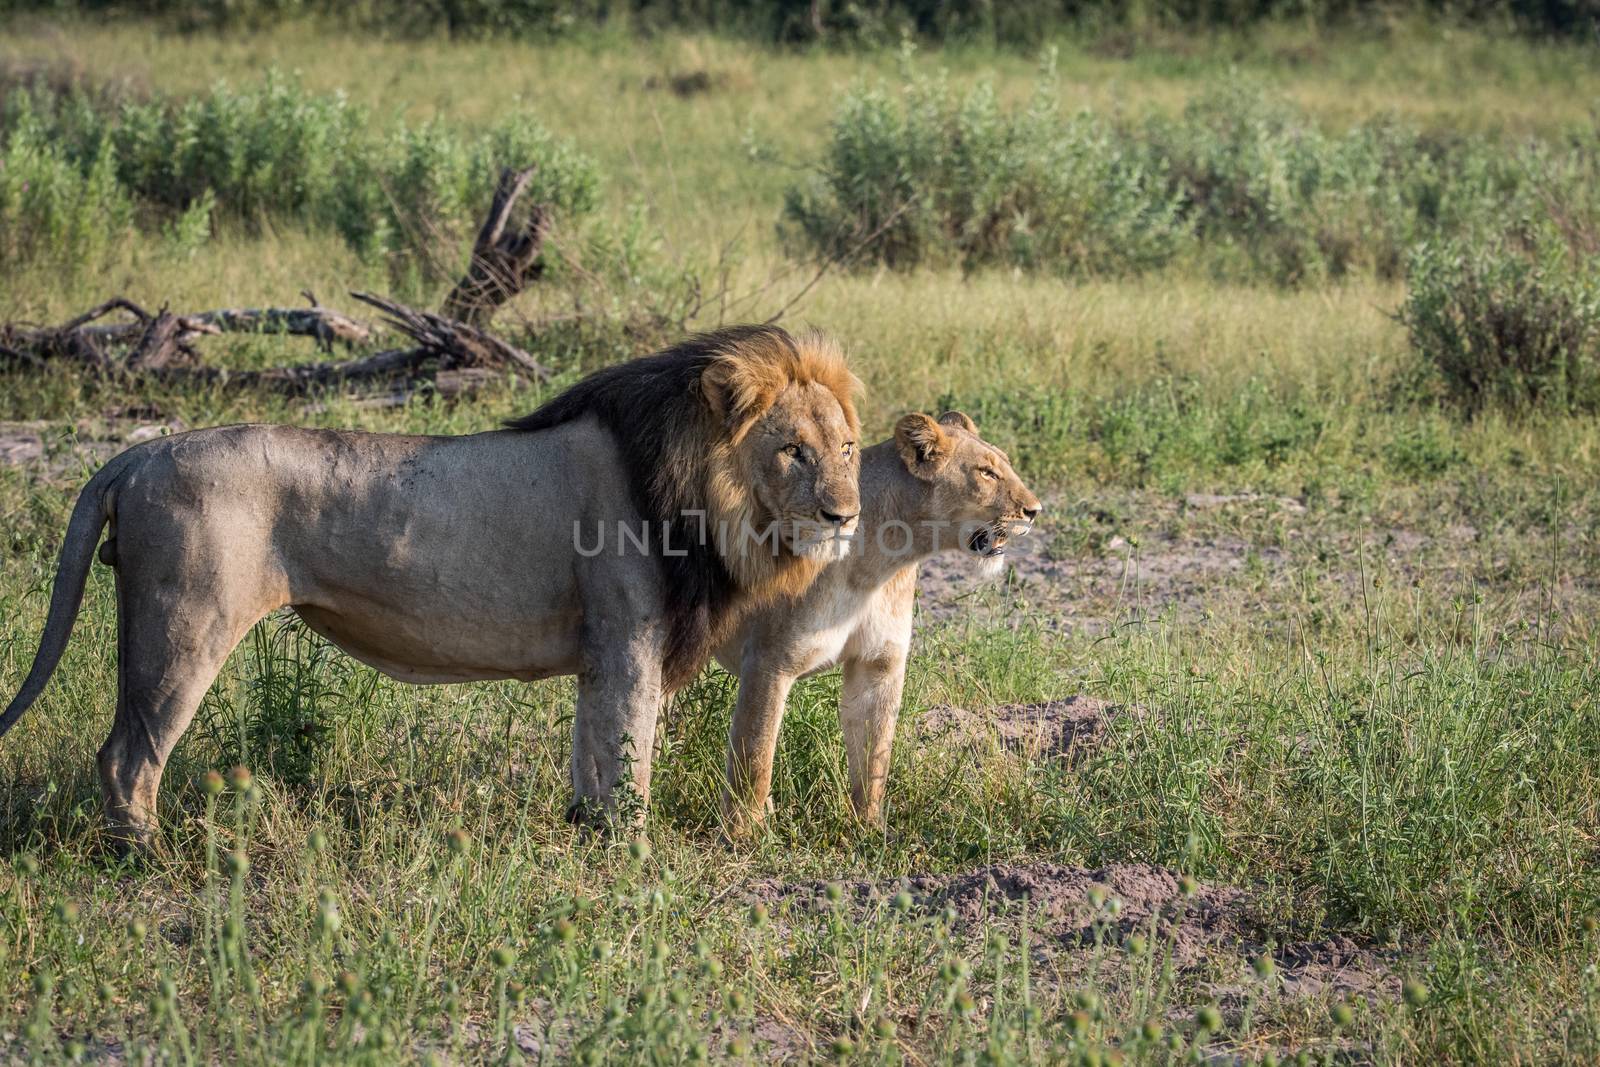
[(1242, 184), (1504, 326), (421, 188), (276, 151), (947, 179), (1273, 196), (52, 210)]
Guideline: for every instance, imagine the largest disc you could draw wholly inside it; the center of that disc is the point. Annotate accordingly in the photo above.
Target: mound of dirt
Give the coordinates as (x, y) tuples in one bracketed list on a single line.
[(1216, 930), (1055, 728)]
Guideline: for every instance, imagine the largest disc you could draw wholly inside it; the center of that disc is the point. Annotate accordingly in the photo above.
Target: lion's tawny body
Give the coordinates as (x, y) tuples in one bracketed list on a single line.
[(450, 559)]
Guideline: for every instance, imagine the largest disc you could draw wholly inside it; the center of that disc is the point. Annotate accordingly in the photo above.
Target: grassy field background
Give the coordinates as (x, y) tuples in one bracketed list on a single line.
[(1331, 642)]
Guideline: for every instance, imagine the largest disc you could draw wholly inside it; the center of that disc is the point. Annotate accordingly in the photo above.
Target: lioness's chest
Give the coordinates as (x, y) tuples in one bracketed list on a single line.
[(830, 627)]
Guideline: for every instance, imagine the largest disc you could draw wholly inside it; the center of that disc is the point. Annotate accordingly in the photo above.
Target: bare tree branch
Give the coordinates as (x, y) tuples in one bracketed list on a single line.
[(452, 350), (504, 258)]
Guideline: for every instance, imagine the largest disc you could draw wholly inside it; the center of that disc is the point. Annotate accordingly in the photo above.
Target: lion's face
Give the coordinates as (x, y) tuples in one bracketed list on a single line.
[(802, 462), (972, 484)]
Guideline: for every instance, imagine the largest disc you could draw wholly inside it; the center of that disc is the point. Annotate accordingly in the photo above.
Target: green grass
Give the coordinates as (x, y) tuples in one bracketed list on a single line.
[(1377, 714)]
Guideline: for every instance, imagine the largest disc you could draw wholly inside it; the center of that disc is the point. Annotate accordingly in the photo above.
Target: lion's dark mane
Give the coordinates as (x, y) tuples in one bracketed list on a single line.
[(664, 428)]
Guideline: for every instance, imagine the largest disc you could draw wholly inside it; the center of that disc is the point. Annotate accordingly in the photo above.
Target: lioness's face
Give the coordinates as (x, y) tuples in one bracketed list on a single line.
[(974, 490), (802, 461)]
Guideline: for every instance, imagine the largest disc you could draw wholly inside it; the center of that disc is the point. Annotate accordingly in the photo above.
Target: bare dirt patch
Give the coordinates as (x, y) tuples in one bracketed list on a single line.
[(1093, 592), (54, 449), (1053, 729), (1145, 558), (1074, 914)]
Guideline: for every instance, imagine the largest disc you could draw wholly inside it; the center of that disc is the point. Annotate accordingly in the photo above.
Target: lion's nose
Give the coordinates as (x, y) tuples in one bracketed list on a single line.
[(836, 518), (1033, 512)]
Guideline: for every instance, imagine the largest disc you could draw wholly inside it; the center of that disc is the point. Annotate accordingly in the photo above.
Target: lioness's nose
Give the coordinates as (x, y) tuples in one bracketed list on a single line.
[(836, 518), (1033, 512)]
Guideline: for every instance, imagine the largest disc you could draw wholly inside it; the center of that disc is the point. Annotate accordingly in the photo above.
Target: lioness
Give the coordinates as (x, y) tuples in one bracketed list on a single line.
[(590, 538), (937, 485)]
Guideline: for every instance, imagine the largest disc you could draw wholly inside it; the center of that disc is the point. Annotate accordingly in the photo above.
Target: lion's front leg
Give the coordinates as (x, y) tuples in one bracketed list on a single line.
[(619, 699)]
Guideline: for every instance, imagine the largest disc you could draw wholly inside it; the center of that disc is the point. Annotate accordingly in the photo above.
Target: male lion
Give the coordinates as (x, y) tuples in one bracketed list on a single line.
[(937, 485), (450, 559)]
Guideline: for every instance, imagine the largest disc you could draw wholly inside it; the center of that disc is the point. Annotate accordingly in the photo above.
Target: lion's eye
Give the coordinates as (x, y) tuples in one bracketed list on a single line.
[(849, 449), (792, 451), (989, 474)]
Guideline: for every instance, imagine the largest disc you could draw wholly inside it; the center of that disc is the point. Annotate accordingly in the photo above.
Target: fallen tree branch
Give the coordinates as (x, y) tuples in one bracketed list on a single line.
[(162, 344), (456, 344), (322, 324), (159, 346), (453, 350), (80, 342), (74, 340), (504, 258), (304, 378)]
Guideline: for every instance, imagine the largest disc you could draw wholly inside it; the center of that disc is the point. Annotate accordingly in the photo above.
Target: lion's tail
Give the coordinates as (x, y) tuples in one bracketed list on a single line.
[(89, 516)]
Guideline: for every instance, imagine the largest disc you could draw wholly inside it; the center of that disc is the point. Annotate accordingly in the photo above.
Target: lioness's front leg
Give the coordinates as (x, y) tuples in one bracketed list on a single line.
[(752, 744), (869, 706)]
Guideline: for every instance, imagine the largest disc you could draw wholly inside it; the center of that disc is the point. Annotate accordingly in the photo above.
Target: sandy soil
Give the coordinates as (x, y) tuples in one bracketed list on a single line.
[(1057, 728), (1213, 936)]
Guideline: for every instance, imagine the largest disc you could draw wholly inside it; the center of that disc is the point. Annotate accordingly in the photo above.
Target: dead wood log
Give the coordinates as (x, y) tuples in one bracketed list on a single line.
[(323, 325), (505, 258), (78, 342), (300, 379), (453, 349), (158, 346), (161, 345), (455, 344)]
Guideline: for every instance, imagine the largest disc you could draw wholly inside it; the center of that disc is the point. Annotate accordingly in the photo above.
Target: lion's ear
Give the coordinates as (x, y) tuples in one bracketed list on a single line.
[(960, 421), (923, 444), (732, 391), (716, 387)]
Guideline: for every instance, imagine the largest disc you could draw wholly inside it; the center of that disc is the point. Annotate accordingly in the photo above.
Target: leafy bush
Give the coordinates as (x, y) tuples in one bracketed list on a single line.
[(1243, 184), (946, 179), (277, 151), (52, 210), (421, 187), (1502, 325), (1274, 196)]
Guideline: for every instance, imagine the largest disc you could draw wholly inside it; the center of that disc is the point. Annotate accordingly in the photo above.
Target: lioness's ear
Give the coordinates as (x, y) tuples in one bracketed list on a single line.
[(923, 444), (959, 420)]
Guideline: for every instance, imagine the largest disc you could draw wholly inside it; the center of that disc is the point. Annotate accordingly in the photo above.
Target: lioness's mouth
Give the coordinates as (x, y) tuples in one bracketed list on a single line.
[(983, 542)]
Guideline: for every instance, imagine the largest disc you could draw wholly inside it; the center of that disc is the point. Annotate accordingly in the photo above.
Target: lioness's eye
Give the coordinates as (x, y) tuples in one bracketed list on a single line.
[(989, 474)]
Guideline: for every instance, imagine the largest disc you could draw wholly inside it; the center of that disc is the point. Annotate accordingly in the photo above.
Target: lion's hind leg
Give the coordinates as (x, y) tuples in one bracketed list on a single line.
[(173, 637)]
